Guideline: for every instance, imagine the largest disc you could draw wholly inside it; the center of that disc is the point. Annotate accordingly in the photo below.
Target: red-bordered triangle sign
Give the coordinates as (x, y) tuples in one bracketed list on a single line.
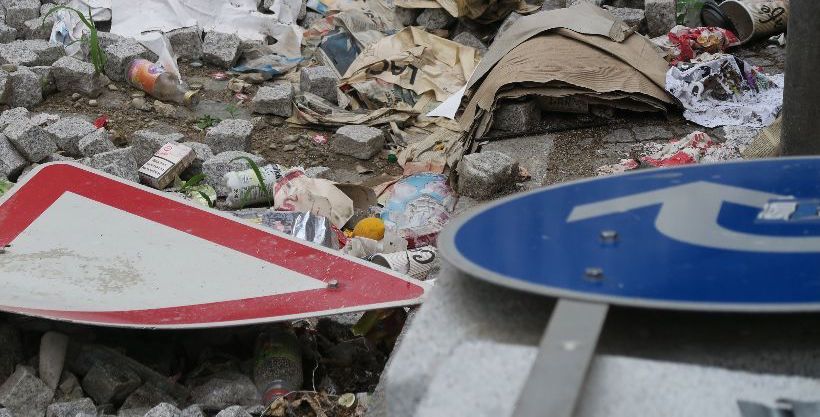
[(85, 246)]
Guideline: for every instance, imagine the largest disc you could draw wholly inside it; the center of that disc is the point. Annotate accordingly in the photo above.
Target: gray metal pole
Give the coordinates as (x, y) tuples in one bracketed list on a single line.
[(801, 101)]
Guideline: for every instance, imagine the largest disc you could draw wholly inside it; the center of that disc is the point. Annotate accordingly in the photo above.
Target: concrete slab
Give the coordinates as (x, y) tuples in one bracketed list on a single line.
[(532, 153)]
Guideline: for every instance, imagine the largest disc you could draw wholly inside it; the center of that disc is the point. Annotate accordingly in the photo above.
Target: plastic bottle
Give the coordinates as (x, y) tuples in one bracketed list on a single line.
[(153, 79), (278, 362), (244, 187)]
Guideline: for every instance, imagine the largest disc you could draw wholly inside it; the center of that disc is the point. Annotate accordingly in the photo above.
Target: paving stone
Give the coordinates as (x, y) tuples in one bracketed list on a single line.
[(632, 17), (11, 165), (26, 88), (620, 136), (75, 76), (96, 142), (362, 142), (11, 346), (319, 80), (119, 162), (530, 152), (660, 16), (58, 157), (406, 16), (468, 39), (435, 19), (653, 133), (51, 359), (7, 33), (486, 174), (258, 410), (187, 42), (230, 135), (517, 117), (276, 99), (30, 140), (19, 11), (36, 29), (220, 164), (221, 49), (13, 115), (67, 133), (107, 39), (72, 408), (122, 171), (47, 81), (234, 411), (193, 411), (553, 4), (69, 388), (119, 56), (30, 53), (164, 410), (145, 397), (146, 142), (203, 153), (24, 394), (4, 412), (108, 383), (226, 389), (598, 3)]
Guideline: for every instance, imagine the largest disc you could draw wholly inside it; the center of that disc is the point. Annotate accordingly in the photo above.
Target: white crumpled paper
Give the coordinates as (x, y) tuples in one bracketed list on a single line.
[(726, 91)]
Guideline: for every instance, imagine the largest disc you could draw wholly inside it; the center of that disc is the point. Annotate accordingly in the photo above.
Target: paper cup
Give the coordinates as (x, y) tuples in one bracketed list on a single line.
[(754, 19), (414, 262)]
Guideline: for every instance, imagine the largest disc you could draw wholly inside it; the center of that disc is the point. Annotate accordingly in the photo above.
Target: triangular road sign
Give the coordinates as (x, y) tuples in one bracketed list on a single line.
[(84, 246)]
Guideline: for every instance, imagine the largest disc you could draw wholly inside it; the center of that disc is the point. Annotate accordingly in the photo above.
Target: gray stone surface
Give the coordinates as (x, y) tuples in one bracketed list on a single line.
[(11, 165), (553, 4), (187, 42), (72, 408), (69, 388), (203, 153), (107, 39), (224, 390), (406, 16), (517, 117), (230, 135), (19, 11), (25, 88), (220, 164), (164, 410), (146, 142), (620, 136), (7, 33), (30, 140), (362, 142), (5, 412), (67, 133), (221, 49), (233, 411), (193, 411), (11, 348), (75, 76), (47, 81), (598, 3), (319, 80), (435, 19), (486, 174), (36, 29), (531, 152), (660, 16), (13, 115), (653, 133), (24, 394), (145, 397), (96, 142), (50, 361), (108, 383), (30, 52), (468, 39), (119, 162), (632, 17), (276, 99), (118, 58)]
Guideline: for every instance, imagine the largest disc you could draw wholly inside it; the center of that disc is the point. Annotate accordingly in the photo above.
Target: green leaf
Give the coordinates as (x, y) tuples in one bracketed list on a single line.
[(5, 185), (193, 181)]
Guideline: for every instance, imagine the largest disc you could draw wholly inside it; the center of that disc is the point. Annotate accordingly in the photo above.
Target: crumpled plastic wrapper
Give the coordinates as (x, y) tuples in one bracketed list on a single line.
[(683, 44), (726, 91), (304, 226), (418, 207), (362, 247), (297, 192)]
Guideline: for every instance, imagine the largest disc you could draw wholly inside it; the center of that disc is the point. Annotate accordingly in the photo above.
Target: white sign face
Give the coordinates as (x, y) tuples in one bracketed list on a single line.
[(140, 259)]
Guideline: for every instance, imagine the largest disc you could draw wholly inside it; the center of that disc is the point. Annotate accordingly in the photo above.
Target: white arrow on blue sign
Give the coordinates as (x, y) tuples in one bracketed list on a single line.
[(741, 236)]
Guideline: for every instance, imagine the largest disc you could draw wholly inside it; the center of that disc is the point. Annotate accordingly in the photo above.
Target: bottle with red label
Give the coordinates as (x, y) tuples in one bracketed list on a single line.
[(152, 78)]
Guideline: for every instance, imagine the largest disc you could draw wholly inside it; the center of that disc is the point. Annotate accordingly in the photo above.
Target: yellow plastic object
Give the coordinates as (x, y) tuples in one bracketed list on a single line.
[(371, 228)]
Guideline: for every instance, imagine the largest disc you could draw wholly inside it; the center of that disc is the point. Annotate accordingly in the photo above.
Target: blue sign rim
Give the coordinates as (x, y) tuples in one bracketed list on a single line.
[(450, 253)]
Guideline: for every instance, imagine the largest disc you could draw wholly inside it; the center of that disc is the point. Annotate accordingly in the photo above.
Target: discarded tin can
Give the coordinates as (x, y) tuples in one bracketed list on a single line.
[(413, 262), (168, 162), (278, 363), (245, 188)]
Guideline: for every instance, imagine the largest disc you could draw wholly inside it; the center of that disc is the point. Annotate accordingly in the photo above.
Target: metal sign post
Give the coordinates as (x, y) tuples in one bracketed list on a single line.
[(741, 236)]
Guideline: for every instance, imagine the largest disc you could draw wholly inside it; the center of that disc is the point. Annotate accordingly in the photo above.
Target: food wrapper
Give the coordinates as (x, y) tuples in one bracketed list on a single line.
[(418, 207), (298, 192)]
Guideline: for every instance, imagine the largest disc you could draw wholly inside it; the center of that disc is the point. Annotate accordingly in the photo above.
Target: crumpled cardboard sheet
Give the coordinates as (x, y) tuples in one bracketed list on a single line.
[(312, 110), (481, 11), (415, 60)]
